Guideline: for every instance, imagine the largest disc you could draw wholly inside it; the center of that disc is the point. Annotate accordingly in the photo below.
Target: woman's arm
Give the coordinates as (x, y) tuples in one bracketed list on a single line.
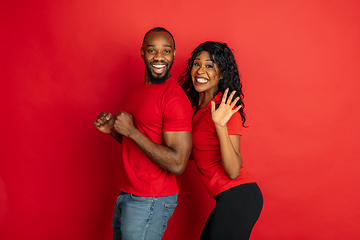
[(230, 152), (229, 144)]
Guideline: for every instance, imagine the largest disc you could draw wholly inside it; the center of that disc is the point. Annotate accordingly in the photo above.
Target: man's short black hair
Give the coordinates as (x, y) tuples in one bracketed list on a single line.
[(157, 29)]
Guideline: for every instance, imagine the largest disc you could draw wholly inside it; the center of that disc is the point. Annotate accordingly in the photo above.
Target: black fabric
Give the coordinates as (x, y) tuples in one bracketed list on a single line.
[(235, 213)]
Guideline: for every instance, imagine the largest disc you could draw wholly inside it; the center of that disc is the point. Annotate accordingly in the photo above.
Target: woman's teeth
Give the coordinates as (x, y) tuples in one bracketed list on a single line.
[(201, 80)]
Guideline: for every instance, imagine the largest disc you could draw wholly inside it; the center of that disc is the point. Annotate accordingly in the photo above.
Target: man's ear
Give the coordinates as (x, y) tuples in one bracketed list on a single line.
[(174, 53), (142, 53)]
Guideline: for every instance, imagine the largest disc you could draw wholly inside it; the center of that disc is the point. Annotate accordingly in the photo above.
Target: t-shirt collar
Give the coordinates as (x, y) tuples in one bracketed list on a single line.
[(216, 99)]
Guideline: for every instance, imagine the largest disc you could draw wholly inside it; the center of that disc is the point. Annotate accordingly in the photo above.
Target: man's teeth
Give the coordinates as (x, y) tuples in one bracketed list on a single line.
[(158, 66), (201, 80)]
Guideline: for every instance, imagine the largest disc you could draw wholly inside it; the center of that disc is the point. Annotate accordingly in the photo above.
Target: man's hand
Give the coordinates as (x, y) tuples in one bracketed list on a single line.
[(105, 122), (124, 124)]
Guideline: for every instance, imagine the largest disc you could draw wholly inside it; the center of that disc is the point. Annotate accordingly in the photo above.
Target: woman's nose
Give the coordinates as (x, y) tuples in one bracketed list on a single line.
[(200, 69)]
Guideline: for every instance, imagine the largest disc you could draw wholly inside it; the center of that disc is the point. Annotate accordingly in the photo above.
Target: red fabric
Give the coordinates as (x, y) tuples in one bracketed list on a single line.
[(206, 151), (155, 108)]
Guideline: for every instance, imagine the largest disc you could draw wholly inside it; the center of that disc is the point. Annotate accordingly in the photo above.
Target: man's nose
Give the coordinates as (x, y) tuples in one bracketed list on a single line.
[(159, 56)]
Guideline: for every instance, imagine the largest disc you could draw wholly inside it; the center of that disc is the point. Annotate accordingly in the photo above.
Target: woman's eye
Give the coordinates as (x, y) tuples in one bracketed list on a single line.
[(196, 64), (209, 66)]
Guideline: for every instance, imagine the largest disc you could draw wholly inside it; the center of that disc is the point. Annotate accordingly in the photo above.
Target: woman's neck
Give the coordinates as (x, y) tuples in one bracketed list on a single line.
[(204, 99)]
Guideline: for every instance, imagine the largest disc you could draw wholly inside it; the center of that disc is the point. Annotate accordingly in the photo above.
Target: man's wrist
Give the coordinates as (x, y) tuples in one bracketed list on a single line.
[(131, 134), (113, 132)]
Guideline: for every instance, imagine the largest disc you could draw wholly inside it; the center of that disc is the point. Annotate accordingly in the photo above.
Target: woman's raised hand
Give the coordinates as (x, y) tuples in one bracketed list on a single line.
[(226, 109)]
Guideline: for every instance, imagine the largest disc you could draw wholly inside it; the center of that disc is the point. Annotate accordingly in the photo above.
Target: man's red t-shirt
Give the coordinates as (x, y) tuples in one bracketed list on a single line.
[(206, 151), (156, 108)]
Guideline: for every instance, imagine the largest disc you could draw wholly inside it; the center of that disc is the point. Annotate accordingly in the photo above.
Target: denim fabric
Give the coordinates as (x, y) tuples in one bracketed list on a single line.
[(142, 218)]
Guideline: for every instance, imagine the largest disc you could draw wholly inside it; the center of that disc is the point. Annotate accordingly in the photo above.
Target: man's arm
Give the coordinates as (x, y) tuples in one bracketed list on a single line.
[(172, 156)]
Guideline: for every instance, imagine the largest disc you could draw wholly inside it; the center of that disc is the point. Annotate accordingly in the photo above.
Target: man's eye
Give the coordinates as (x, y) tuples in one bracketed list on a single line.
[(151, 51), (166, 51)]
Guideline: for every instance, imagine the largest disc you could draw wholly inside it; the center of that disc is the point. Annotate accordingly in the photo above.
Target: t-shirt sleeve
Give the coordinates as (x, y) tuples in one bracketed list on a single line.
[(177, 115), (234, 125)]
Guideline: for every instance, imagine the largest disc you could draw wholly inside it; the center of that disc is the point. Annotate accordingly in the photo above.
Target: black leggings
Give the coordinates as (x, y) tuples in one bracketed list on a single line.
[(235, 213)]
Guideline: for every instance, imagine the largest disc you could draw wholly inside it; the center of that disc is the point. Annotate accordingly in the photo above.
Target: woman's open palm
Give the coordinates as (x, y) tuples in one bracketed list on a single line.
[(226, 109)]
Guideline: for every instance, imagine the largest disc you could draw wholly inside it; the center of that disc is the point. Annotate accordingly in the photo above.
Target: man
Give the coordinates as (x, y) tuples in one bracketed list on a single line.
[(155, 132)]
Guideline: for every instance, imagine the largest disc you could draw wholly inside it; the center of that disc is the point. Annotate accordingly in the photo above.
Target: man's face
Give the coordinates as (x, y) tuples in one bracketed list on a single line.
[(158, 54)]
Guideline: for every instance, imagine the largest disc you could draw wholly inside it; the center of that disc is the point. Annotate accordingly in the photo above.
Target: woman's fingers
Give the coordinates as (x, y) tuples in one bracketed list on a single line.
[(223, 100), (237, 109), (234, 102), (228, 101), (212, 106), (231, 96)]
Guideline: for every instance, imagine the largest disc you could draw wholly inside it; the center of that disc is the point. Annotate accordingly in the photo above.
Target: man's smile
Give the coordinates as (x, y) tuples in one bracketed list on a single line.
[(158, 67)]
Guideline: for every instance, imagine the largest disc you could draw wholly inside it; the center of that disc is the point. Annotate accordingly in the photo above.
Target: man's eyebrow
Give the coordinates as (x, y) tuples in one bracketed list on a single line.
[(151, 45)]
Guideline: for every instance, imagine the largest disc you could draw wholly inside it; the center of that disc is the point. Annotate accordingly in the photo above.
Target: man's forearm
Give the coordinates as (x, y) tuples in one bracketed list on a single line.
[(166, 157), (117, 136)]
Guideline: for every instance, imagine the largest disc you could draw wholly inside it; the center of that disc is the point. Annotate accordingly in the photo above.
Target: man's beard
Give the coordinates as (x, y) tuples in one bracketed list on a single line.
[(157, 79)]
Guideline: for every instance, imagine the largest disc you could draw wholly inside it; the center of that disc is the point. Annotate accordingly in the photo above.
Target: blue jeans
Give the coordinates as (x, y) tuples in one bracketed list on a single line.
[(142, 218)]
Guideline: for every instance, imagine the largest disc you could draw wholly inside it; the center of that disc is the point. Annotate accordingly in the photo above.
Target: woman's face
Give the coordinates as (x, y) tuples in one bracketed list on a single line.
[(205, 74)]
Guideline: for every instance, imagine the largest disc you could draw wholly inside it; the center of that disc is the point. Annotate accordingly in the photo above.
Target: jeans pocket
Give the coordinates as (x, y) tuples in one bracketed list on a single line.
[(168, 212), (141, 199)]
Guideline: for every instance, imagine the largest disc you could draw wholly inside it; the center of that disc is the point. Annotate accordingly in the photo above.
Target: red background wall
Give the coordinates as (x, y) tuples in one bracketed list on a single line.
[(62, 62)]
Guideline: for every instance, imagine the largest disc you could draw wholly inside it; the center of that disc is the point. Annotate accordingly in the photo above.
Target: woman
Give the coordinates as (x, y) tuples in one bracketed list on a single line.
[(217, 124)]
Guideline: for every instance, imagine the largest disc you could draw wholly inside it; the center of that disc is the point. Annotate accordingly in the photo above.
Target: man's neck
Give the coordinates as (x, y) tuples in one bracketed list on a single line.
[(149, 81)]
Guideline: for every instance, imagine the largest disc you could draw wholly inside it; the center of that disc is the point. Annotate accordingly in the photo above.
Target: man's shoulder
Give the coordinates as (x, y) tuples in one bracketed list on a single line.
[(173, 88), (136, 87)]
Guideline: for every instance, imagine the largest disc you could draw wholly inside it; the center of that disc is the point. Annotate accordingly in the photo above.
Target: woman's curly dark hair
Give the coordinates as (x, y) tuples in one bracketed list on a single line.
[(223, 56)]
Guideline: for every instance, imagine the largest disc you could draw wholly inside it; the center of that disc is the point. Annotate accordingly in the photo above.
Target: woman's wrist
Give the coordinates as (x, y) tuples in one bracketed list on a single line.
[(220, 128)]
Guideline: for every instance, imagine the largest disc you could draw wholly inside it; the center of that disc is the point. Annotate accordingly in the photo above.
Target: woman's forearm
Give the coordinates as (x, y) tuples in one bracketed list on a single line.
[(230, 152)]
